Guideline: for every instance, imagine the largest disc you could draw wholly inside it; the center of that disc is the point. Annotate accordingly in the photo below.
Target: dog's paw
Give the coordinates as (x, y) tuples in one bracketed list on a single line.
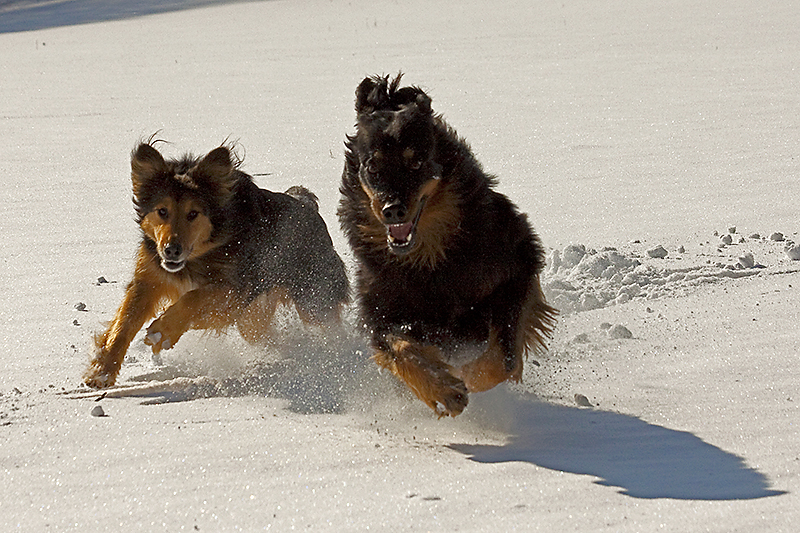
[(159, 337), (451, 398), (422, 369), (98, 378)]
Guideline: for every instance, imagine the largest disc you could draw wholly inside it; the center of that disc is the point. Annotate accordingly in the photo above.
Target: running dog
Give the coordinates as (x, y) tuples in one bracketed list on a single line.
[(218, 251), (447, 268)]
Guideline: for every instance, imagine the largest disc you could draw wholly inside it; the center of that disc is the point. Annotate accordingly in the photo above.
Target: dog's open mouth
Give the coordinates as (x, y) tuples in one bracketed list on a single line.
[(401, 236), (172, 266)]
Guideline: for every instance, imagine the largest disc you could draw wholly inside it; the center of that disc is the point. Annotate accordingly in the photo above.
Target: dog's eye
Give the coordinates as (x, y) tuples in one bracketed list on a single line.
[(163, 212), (372, 167), (191, 215), (415, 165)]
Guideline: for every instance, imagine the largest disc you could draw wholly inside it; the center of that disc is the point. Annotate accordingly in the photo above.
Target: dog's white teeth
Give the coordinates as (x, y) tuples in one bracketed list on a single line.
[(401, 232), (154, 337), (440, 408), (172, 266), (401, 242)]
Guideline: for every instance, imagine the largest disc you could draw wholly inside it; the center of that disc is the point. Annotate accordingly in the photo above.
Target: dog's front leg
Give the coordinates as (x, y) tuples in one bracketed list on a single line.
[(209, 307), (501, 361), (138, 306), (421, 368), (519, 326)]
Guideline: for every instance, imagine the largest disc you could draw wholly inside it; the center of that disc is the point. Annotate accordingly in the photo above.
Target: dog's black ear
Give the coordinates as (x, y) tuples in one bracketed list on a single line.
[(217, 163), (423, 102), (217, 168), (363, 92), (146, 162), (377, 93)]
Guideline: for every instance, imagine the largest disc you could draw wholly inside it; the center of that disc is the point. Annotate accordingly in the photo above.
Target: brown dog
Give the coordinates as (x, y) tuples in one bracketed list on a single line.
[(218, 251), (448, 269)]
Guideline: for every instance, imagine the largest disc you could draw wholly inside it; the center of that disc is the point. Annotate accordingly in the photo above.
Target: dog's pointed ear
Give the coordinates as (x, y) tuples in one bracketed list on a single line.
[(365, 88), (146, 162), (217, 167), (423, 102), (217, 164)]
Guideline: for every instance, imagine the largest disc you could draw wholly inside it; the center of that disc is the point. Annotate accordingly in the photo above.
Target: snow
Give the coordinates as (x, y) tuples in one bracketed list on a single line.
[(618, 127)]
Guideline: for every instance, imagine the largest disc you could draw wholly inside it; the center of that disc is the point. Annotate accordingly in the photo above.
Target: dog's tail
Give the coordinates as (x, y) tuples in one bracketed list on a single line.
[(304, 195)]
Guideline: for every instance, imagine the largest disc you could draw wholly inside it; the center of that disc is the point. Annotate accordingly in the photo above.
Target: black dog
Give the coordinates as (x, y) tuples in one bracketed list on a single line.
[(448, 269)]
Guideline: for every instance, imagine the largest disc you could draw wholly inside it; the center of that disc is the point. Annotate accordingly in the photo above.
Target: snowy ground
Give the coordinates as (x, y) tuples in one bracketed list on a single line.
[(669, 397)]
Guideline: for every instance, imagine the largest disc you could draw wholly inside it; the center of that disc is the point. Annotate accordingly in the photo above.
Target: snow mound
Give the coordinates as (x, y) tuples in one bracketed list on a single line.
[(581, 279)]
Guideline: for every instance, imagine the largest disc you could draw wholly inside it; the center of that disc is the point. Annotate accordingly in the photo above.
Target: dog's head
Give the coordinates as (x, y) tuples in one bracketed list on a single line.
[(398, 167), (178, 201)]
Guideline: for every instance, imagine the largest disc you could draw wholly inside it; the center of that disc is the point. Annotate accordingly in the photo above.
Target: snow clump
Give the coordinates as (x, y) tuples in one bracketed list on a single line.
[(659, 252)]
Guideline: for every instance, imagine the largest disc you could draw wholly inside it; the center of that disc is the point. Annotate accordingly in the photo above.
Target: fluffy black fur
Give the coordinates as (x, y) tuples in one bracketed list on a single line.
[(479, 269)]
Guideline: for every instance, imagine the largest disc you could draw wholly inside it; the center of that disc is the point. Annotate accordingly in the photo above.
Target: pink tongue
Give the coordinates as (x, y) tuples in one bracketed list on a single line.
[(400, 232)]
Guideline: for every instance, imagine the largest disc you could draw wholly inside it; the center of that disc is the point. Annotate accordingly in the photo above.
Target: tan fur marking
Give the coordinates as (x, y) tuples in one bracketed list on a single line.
[(194, 235), (438, 222), (489, 370), (200, 230), (209, 307), (155, 227), (375, 231), (187, 181)]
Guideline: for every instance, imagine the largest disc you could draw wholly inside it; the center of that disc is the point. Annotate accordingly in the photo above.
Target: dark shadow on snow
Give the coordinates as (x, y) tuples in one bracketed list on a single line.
[(314, 379), (316, 374), (644, 460), (334, 374), (27, 15)]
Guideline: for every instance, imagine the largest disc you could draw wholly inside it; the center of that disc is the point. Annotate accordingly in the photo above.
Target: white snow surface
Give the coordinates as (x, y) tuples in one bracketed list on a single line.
[(619, 127)]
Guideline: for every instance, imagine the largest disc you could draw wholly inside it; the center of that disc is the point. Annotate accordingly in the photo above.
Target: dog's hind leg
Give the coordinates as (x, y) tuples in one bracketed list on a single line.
[(255, 322), (502, 360), (421, 368), (490, 369), (321, 295), (328, 317)]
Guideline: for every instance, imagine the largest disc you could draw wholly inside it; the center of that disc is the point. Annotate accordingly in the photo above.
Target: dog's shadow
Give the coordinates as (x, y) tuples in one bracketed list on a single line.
[(643, 459), (336, 376), (315, 374)]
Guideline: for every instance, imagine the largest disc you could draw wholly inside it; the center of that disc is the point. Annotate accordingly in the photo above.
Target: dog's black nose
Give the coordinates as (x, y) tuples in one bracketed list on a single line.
[(172, 251), (394, 213)]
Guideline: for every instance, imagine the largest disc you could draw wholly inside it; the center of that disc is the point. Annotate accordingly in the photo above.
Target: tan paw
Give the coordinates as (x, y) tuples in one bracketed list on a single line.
[(448, 397), (160, 336), (99, 378)]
